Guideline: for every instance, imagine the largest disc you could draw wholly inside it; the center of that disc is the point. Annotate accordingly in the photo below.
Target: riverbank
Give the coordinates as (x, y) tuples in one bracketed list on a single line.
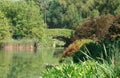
[(18, 45)]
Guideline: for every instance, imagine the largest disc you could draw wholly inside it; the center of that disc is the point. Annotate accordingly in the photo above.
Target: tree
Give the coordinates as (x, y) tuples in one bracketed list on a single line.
[(4, 27), (72, 13), (26, 18), (54, 15), (71, 17), (107, 6), (43, 4)]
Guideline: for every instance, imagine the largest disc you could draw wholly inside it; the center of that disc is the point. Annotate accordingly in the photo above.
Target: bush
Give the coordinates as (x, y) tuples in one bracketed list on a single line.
[(85, 49), (104, 28)]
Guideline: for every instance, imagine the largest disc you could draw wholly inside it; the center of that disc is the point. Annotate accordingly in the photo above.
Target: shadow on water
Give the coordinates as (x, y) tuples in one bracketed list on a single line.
[(26, 64)]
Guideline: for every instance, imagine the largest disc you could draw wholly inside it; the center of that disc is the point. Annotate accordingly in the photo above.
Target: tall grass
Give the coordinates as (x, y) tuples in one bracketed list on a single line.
[(114, 48)]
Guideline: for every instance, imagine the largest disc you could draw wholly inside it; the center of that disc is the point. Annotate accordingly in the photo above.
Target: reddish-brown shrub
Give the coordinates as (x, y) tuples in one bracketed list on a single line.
[(99, 29), (114, 30)]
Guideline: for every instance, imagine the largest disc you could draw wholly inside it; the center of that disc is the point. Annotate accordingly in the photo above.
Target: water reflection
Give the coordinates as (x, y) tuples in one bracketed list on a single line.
[(25, 64)]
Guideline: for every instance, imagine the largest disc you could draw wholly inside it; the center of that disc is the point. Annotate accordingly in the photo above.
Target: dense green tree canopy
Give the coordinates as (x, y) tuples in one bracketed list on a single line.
[(26, 18), (4, 27), (72, 13)]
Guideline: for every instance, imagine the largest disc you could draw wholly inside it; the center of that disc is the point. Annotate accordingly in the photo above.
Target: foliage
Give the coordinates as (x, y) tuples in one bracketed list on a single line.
[(50, 38), (81, 51), (114, 49), (59, 32), (90, 50), (84, 49), (75, 46), (99, 29), (26, 18), (72, 13), (54, 15), (114, 30), (5, 27), (102, 30), (46, 42), (87, 69), (60, 13), (117, 72)]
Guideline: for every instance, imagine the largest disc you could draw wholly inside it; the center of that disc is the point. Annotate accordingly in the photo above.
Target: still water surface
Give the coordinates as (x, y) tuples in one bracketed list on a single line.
[(25, 64)]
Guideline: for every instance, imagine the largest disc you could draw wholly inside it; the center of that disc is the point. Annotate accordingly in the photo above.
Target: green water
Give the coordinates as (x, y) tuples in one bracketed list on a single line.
[(25, 64)]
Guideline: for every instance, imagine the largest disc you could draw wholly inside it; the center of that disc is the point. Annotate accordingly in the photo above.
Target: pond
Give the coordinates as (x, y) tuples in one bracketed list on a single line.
[(26, 64)]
